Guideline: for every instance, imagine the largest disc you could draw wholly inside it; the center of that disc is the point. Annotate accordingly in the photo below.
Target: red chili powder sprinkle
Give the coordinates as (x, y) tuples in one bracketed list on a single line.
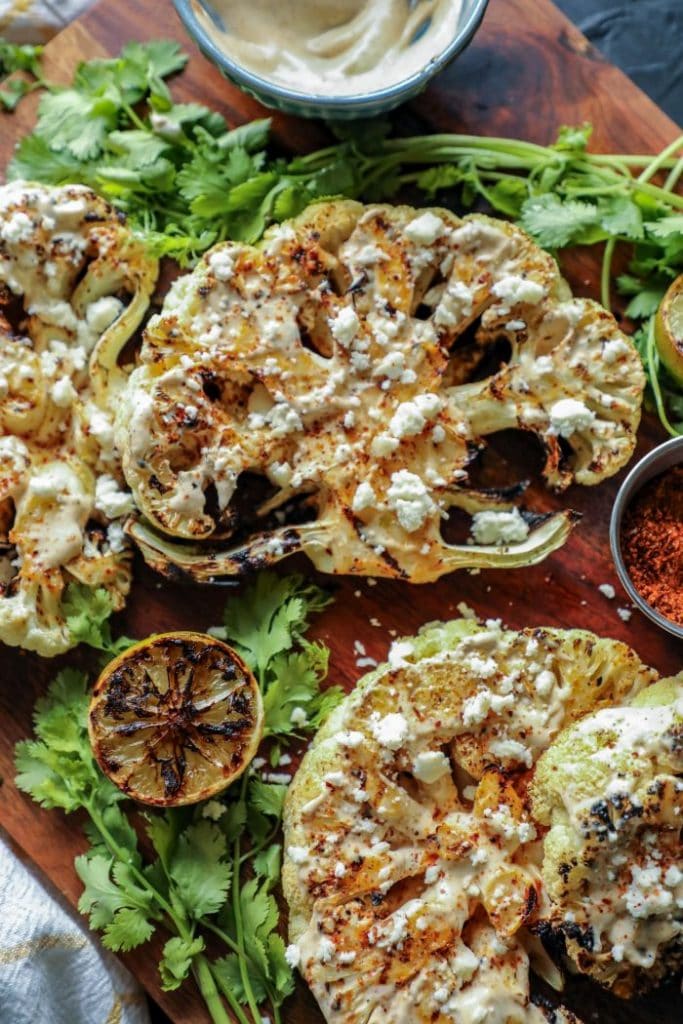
[(652, 543)]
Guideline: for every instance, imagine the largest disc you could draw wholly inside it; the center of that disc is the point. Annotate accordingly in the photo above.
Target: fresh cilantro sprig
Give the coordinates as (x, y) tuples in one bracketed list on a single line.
[(213, 868), (267, 627), (87, 611), (24, 58)]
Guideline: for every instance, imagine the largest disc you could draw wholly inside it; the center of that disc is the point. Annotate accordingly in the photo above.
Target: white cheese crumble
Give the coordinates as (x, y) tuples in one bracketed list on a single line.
[(608, 591), (431, 765), (344, 326), (298, 854), (17, 228), (408, 496), (222, 264), (326, 950), (476, 708), (364, 497), (110, 500), (494, 527), (511, 750), (513, 288), (102, 313), (213, 810), (382, 446), (455, 305), (399, 651), (412, 417), (63, 393), (391, 730), (293, 956), (283, 419), (425, 229), (280, 473), (569, 415)]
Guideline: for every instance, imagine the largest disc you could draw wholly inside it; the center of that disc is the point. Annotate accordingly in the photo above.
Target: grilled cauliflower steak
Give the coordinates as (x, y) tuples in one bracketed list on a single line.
[(611, 790), (340, 361), (74, 286), (413, 864)]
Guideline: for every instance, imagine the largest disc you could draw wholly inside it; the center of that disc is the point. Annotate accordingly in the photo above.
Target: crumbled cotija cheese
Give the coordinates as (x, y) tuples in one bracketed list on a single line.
[(494, 527), (569, 415), (425, 229), (391, 730), (410, 499)]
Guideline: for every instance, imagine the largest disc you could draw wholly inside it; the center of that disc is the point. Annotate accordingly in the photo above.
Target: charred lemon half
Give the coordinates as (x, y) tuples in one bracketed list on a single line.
[(175, 719)]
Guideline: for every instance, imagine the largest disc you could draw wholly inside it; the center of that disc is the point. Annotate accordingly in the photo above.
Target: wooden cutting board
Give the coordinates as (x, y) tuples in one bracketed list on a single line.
[(527, 72)]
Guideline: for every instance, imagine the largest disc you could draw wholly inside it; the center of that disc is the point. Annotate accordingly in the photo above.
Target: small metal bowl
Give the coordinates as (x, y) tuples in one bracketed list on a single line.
[(309, 104), (653, 464)]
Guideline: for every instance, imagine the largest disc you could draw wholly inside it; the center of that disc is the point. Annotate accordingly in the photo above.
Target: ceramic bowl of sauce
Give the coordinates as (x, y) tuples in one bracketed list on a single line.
[(646, 535), (338, 59)]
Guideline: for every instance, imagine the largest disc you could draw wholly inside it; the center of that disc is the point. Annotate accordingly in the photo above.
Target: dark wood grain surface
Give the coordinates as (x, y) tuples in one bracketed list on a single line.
[(527, 72)]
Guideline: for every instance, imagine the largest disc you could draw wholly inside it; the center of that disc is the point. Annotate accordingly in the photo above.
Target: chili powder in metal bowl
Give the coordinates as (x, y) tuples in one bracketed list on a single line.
[(652, 543), (646, 535)]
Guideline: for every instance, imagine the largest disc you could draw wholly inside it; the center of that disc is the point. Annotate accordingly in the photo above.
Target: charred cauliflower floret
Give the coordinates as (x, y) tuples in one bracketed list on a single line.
[(74, 286), (611, 790), (351, 362), (412, 861)]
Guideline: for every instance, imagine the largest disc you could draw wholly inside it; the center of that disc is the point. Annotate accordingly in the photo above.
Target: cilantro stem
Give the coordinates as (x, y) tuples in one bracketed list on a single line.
[(224, 937), (674, 176), (237, 910), (207, 986), (659, 161), (234, 1005), (202, 973), (652, 357), (606, 273)]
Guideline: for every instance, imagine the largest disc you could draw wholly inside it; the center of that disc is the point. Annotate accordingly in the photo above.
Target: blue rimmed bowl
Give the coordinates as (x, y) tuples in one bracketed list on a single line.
[(308, 104)]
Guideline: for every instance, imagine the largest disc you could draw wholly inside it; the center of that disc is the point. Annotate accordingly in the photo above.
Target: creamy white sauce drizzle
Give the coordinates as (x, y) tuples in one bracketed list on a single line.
[(334, 47)]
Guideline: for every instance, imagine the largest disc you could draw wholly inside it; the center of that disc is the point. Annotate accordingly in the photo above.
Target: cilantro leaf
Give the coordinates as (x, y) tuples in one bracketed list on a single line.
[(555, 223), (57, 768), (77, 123), (271, 615), (113, 901), (20, 57), (176, 961), (267, 797), (128, 929), (645, 303), (574, 138), (200, 874), (87, 612), (228, 976), (35, 160), (622, 217)]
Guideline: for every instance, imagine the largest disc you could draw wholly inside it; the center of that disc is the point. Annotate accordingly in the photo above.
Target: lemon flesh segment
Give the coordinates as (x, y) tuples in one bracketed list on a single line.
[(669, 330), (175, 719)]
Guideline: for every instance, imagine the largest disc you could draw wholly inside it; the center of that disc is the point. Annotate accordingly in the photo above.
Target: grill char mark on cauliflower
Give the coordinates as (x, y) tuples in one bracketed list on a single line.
[(610, 789), (81, 285), (398, 880), (328, 361)]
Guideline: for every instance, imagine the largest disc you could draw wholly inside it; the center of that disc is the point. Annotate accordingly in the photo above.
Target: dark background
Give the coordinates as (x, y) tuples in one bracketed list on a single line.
[(642, 37)]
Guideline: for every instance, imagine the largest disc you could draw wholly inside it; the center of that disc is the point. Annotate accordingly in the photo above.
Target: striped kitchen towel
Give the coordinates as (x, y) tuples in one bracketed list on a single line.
[(35, 21)]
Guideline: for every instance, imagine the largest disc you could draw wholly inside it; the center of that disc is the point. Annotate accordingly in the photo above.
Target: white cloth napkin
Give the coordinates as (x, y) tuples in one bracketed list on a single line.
[(51, 971), (34, 21)]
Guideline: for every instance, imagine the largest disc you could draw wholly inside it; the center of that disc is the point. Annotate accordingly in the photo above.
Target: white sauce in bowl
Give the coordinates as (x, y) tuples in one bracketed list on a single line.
[(333, 47)]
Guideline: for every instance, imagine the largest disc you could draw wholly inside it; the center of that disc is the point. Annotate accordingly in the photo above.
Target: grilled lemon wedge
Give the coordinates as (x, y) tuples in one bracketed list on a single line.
[(175, 719), (669, 330)]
